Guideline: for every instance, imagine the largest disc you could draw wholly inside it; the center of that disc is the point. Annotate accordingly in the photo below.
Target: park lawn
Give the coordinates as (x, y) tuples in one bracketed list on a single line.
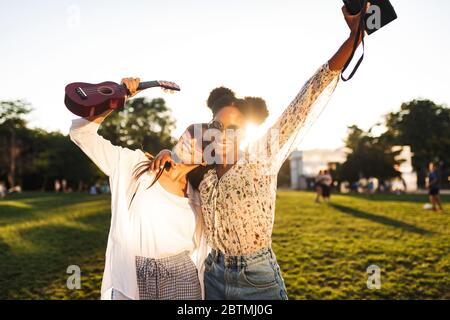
[(323, 250)]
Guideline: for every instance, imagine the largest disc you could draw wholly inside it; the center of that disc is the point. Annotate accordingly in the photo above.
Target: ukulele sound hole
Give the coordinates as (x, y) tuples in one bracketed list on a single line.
[(105, 91)]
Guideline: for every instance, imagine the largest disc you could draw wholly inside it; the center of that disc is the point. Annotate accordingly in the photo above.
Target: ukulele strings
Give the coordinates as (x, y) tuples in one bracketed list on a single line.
[(106, 87), (96, 90), (122, 85)]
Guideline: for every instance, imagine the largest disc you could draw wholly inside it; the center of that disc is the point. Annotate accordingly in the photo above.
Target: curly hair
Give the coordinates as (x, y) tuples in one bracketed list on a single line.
[(254, 109)]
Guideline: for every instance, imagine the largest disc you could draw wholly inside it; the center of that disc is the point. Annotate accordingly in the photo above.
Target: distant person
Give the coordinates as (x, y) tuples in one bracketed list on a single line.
[(2, 190), (98, 188), (387, 186), (104, 188), (318, 186), (16, 189), (433, 184), (57, 186), (93, 190), (370, 187), (64, 185), (354, 186), (327, 182)]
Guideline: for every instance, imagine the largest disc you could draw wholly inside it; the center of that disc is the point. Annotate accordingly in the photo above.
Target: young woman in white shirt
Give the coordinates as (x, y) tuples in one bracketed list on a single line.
[(155, 246)]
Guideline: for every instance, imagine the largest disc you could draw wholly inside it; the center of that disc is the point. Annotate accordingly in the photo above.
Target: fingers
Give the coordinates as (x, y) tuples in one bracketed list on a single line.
[(160, 161), (155, 165), (126, 83), (173, 163), (136, 82), (345, 11), (168, 163), (132, 85), (166, 159)]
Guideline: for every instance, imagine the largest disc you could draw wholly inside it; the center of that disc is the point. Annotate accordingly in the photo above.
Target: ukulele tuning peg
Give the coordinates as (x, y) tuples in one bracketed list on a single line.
[(167, 90)]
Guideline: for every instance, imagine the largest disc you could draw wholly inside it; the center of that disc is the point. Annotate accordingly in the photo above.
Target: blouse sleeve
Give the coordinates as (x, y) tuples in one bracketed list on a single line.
[(279, 141)]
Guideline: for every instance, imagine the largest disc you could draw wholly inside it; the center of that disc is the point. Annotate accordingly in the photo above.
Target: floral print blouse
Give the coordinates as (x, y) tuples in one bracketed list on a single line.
[(239, 208)]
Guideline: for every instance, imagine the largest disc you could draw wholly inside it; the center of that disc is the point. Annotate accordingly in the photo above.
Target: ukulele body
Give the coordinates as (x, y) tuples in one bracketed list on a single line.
[(88, 100)]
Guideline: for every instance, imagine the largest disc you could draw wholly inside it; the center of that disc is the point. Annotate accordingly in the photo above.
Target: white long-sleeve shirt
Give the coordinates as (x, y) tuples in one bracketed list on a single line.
[(145, 222)]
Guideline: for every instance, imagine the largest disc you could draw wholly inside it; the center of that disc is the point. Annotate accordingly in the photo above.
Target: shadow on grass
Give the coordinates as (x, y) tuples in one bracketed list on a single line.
[(4, 249), (28, 275), (22, 207), (413, 198), (380, 219), (10, 212)]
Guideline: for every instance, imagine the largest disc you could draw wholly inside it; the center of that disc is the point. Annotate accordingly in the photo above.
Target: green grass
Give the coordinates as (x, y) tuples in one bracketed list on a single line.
[(323, 250)]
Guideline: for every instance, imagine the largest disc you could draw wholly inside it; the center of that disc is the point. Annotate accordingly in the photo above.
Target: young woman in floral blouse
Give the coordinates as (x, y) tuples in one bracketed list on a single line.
[(238, 198)]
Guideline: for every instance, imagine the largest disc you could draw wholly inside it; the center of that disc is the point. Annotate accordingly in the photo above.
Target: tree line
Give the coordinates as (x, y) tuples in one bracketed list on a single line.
[(34, 158), (421, 124)]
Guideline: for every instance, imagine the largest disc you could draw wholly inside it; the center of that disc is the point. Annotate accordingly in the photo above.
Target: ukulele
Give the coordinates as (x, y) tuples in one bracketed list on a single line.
[(88, 100)]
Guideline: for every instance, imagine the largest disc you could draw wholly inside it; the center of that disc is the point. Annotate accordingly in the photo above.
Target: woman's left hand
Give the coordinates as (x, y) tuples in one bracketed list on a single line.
[(353, 20), (160, 161), (338, 61)]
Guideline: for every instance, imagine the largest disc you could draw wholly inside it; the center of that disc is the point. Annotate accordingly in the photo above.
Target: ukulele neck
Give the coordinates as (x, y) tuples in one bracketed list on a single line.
[(148, 84), (152, 84)]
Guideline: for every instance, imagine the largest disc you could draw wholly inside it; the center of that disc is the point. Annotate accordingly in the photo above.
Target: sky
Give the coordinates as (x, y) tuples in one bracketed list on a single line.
[(265, 48)]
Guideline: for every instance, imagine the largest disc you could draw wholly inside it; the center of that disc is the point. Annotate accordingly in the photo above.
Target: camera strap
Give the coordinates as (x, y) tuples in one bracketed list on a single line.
[(360, 33)]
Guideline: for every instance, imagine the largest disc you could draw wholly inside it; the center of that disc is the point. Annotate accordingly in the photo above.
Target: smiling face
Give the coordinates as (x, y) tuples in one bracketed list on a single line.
[(189, 148), (215, 143), (233, 123)]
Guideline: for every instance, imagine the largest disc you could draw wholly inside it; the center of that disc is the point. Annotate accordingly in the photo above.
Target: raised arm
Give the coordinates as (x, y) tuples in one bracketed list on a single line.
[(292, 125), (102, 152), (338, 61)]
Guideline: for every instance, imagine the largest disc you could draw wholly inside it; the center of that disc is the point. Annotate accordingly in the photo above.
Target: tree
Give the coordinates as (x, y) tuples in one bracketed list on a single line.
[(368, 157), (284, 175), (34, 158), (12, 124), (54, 156), (141, 124), (425, 126)]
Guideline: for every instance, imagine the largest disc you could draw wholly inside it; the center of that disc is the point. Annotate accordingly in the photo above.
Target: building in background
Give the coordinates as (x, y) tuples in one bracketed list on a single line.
[(409, 176), (305, 165)]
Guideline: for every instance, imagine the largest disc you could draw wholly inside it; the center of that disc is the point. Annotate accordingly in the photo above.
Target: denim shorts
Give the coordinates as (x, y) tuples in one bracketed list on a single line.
[(252, 277)]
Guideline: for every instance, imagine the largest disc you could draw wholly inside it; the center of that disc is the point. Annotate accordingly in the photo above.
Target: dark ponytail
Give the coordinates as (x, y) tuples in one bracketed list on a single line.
[(143, 166)]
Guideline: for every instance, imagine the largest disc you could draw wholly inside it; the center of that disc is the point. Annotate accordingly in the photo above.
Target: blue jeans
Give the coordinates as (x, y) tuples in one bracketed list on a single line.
[(252, 277)]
